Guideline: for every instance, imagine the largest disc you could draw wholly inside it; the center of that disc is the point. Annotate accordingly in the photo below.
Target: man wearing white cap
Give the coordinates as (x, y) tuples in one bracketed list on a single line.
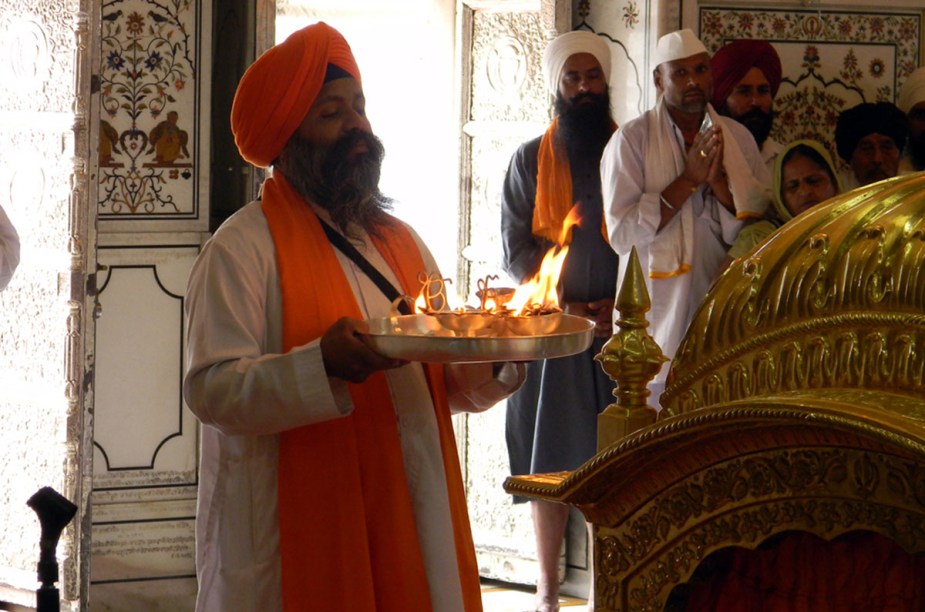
[(677, 184), (912, 102), (552, 421)]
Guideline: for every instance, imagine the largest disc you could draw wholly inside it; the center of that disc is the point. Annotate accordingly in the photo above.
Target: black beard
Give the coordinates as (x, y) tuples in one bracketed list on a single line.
[(757, 121), (585, 125), (347, 188), (917, 151)]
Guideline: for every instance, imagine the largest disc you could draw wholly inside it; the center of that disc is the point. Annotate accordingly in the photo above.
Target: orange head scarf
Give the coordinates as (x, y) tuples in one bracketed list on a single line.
[(275, 93)]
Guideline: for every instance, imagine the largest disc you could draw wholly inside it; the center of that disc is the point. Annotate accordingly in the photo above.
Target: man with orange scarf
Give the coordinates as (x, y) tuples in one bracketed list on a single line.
[(329, 477), (552, 424)]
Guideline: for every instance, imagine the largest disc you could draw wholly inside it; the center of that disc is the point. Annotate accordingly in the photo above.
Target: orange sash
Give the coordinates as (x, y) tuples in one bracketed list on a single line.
[(347, 533), (553, 199)]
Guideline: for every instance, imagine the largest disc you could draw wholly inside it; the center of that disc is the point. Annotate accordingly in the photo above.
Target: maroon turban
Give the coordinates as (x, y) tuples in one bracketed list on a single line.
[(275, 93), (730, 64)]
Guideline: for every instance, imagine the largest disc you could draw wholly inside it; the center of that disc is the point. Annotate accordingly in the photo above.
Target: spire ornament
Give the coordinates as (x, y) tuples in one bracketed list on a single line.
[(632, 359)]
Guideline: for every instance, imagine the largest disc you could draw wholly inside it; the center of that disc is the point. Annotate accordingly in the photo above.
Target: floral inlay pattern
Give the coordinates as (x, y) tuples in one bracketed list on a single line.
[(584, 8), (630, 15), (148, 116)]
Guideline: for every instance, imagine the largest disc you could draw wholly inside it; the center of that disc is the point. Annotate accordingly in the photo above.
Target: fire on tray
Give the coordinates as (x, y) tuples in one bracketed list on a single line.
[(529, 310)]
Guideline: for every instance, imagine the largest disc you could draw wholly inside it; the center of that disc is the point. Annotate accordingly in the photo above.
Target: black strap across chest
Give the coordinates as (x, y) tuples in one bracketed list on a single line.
[(343, 245)]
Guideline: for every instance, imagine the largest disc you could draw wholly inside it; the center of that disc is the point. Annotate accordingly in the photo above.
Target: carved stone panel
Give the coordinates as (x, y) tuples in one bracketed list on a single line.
[(491, 154), (43, 186), (41, 76), (507, 105), (507, 78)]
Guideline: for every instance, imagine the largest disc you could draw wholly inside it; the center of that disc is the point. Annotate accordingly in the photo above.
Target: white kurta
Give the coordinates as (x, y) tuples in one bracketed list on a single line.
[(633, 217), (245, 392)]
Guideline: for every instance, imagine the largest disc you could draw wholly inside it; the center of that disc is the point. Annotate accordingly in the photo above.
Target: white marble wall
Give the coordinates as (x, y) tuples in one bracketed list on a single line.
[(44, 330)]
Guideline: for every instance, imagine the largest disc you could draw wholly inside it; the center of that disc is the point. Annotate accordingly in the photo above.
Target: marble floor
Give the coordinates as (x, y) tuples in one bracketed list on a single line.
[(504, 597)]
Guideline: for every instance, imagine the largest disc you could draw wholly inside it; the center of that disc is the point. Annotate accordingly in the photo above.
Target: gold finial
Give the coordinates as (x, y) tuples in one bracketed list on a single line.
[(631, 358)]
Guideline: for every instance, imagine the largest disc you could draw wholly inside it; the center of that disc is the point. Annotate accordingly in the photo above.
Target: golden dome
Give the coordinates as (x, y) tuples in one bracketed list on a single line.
[(833, 300)]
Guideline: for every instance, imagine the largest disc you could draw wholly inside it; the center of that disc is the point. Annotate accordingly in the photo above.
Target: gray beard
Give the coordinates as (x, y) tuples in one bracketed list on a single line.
[(347, 188)]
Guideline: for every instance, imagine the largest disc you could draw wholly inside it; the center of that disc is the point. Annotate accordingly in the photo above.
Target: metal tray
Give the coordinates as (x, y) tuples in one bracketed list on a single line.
[(420, 338)]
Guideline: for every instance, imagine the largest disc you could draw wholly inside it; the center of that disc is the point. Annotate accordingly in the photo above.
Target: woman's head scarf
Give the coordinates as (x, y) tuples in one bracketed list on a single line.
[(780, 207)]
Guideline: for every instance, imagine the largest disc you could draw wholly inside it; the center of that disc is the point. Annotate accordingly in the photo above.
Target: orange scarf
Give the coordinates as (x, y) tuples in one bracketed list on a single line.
[(554, 189), (348, 539)]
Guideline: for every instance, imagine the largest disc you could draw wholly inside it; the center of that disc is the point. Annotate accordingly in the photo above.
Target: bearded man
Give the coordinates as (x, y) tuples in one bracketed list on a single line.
[(678, 183), (870, 137), (746, 77), (552, 426), (329, 477)]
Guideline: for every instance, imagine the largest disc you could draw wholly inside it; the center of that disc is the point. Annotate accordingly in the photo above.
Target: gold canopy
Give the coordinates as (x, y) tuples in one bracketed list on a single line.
[(795, 402), (833, 300)]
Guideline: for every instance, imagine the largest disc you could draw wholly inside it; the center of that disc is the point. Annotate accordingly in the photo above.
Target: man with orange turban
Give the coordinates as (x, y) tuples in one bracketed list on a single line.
[(746, 77), (329, 477), (552, 427)]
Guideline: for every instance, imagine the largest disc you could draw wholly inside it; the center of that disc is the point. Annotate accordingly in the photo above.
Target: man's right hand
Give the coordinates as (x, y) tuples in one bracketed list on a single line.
[(346, 356)]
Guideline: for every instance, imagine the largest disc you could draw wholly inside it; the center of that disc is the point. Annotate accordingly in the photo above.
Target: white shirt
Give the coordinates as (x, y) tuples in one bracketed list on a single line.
[(633, 217), (245, 392)]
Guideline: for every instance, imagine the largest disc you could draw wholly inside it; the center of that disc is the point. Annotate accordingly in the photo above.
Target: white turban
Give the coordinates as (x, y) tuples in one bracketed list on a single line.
[(677, 45), (913, 90), (569, 44)]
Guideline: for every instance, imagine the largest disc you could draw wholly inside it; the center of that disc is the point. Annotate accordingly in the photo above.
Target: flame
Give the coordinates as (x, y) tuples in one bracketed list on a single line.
[(540, 291), (538, 294)]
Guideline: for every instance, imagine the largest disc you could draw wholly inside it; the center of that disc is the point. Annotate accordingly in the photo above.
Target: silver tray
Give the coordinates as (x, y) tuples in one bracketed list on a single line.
[(419, 338)]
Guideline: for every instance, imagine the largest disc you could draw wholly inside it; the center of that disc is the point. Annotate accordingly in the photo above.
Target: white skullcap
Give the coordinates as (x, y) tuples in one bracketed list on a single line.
[(566, 45), (913, 90), (677, 45)]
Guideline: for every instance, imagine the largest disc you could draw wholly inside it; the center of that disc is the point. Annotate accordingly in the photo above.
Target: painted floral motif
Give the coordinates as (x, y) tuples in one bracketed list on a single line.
[(630, 15), (850, 72), (144, 139), (584, 8)]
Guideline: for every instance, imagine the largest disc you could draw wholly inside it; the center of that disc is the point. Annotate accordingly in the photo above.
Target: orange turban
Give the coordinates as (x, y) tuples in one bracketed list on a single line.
[(275, 93)]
